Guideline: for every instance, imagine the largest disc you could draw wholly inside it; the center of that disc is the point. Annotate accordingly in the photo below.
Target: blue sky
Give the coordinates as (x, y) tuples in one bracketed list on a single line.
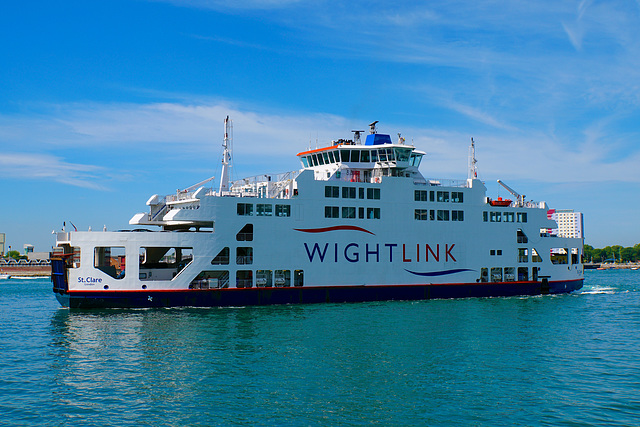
[(105, 103)]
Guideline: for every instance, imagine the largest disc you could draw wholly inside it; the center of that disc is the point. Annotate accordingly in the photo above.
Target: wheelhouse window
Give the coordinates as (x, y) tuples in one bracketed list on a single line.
[(364, 156), (110, 260)]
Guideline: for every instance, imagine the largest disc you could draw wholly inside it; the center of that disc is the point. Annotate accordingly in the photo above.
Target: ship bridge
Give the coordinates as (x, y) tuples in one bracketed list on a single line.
[(352, 161)]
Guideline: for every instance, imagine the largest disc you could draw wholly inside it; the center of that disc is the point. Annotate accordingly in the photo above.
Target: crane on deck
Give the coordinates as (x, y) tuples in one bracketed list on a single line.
[(519, 197)]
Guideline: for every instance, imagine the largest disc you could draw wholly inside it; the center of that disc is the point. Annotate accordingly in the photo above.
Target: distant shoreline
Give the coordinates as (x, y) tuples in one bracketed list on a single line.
[(29, 270)]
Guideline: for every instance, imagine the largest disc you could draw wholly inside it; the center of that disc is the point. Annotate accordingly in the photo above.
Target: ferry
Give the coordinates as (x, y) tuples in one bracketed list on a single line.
[(357, 222)]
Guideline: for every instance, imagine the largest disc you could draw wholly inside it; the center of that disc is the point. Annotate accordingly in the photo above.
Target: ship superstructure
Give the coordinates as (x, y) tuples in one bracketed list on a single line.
[(358, 222)]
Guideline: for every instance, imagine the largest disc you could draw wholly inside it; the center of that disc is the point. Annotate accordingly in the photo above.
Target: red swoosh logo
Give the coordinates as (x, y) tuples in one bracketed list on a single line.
[(334, 228)]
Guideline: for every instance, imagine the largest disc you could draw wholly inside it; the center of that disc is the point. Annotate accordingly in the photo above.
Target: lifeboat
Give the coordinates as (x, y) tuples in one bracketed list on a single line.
[(500, 202)]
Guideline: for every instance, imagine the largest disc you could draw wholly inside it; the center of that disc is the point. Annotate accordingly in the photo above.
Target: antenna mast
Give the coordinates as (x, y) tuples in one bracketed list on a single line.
[(227, 155), (473, 170)]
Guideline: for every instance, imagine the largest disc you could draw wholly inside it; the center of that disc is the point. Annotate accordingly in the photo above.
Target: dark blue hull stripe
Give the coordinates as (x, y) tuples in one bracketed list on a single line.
[(305, 295)]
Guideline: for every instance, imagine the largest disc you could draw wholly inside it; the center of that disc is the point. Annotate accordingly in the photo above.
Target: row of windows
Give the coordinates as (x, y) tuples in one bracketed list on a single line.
[(362, 156), (504, 216), (438, 215), (216, 279), (350, 212), (438, 196), (508, 274), (263, 209), (333, 191)]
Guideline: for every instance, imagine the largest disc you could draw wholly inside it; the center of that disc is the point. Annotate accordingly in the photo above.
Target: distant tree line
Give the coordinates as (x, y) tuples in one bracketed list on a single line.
[(609, 253)]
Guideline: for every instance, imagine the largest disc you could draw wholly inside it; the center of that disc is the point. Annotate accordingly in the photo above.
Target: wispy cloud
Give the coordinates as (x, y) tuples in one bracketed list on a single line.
[(45, 167), (266, 141)]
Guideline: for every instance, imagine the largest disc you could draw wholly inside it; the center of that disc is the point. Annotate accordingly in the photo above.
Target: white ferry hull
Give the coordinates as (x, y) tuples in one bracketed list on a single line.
[(363, 226)]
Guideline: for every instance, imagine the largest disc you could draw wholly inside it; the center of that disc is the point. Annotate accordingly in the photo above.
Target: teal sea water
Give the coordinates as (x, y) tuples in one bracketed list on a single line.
[(569, 360)]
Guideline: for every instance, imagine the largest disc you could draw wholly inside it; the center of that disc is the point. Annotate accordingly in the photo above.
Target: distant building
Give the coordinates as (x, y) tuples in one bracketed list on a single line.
[(569, 223), (2, 240)]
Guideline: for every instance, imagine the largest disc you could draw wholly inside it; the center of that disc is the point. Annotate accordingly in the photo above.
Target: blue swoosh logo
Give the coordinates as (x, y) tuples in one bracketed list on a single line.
[(439, 273)]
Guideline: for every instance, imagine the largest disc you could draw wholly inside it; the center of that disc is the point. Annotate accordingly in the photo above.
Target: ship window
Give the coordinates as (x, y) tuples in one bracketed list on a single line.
[(345, 155), (245, 209), (336, 155), (331, 212), (492, 252), (364, 156), (457, 215), (331, 191), (508, 217), (373, 213), (163, 263), (457, 197), (282, 278), (485, 216), (495, 217), (432, 196), (110, 260), (432, 215), (360, 193), (305, 162), (222, 258), (264, 209), (522, 238), (348, 212), (355, 155), (244, 255), (443, 215), (496, 274), (325, 157), (283, 210), (523, 274), (523, 255), (415, 159), (348, 192), (402, 154), (361, 212), (499, 252), (298, 278), (211, 279), (420, 195), (331, 159), (443, 196), (421, 214), (535, 257), (246, 234), (390, 156), (374, 155), (484, 274), (574, 255), (244, 279), (382, 155), (264, 278), (559, 256), (373, 193), (521, 217), (320, 159), (509, 274)]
